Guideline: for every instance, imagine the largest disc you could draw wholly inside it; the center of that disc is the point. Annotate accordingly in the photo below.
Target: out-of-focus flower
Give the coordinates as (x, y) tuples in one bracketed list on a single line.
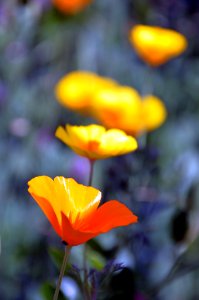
[(153, 112), (76, 90), (123, 108), (73, 210), (119, 107), (71, 6), (95, 142), (156, 45)]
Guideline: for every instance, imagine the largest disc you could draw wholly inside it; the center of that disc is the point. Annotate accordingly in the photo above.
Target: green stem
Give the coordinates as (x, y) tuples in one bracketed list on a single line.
[(91, 172), (62, 271)]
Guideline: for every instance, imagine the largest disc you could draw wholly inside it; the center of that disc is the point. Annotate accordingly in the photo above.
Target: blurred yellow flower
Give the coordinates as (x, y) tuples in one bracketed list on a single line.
[(76, 89), (123, 108), (95, 142), (119, 107), (71, 6), (153, 111), (73, 209), (156, 45)]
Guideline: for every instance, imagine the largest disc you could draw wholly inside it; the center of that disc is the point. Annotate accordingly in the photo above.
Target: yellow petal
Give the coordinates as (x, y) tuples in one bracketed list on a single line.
[(156, 45), (154, 112), (85, 201), (76, 89), (116, 142)]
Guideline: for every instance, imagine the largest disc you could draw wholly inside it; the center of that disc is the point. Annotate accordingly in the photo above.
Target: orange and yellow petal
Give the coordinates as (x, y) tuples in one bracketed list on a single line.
[(76, 201), (72, 236), (154, 112), (43, 187), (156, 45), (85, 201), (108, 216)]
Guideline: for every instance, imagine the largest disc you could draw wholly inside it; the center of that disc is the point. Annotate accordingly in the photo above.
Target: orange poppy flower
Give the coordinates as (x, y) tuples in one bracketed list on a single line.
[(95, 142), (76, 89), (123, 108), (156, 45), (71, 6), (73, 209)]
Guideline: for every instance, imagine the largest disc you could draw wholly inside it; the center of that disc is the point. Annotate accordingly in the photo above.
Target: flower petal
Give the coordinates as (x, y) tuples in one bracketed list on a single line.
[(154, 112), (62, 134), (116, 142), (72, 236), (85, 200), (110, 215)]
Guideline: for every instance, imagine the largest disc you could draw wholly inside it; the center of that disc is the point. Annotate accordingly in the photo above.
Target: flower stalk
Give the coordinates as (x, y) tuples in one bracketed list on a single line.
[(62, 271), (92, 162)]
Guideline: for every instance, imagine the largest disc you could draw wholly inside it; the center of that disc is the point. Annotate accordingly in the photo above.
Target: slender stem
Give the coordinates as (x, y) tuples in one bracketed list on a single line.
[(63, 267), (91, 172), (86, 286)]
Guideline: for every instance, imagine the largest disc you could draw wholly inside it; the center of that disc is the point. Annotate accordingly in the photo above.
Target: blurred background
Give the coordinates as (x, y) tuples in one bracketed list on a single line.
[(154, 259)]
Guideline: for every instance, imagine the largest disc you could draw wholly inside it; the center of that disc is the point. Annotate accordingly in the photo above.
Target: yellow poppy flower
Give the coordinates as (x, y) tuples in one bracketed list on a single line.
[(119, 107), (156, 45), (71, 6), (95, 142), (73, 209), (76, 90), (154, 112), (123, 108)]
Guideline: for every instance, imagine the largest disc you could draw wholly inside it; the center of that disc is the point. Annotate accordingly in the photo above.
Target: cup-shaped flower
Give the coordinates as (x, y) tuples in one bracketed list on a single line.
[(157, 45), (119, 107), (77, 89), (71, 6), (95, 142), (123, 108), (73, 209)]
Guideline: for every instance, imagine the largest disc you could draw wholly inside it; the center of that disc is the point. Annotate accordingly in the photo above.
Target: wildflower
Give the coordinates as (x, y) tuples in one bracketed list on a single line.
[(156, 45), (123, 108), (95, 142), (73, 211), (119, 107), (71, 6), (76, 89), (153, 111)]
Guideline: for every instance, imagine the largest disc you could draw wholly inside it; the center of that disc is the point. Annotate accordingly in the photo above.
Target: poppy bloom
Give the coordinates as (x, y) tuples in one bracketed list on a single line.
[(95, 142), (153, 111), (156, 45), (76, 90), (71, 6), (123, 108), (73, 209)]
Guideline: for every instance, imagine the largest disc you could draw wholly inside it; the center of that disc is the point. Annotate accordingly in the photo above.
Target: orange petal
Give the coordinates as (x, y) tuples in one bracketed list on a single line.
[(48, 211), (71, 236), (110, 215), (44, 187)]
